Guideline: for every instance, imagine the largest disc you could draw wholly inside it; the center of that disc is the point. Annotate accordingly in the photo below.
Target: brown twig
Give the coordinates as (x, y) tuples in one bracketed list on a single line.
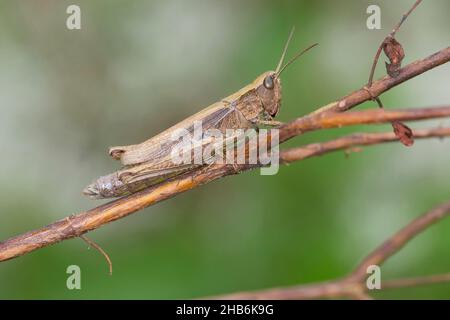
[(395, 243), (353, 140), (99, 249), (391, 35), (416, 281), (386, 83), (338, 120), (353, 285), (94, 218), (394, 51)]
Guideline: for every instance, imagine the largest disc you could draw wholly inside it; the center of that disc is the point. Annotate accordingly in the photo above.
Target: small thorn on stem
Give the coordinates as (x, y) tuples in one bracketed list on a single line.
[(99, 249)]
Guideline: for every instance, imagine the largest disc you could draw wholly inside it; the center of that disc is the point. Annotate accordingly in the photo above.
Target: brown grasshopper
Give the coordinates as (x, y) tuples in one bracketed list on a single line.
[(150, 162)]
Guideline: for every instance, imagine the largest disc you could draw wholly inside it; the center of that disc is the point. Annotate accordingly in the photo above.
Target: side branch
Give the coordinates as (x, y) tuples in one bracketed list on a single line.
[(390, 36), (353, 140), (380, 86), (337, 120), (354, 286), (395, 243)]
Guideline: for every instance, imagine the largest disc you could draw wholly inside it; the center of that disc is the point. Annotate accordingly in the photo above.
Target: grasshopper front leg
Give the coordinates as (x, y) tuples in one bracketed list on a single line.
[(271, 123)]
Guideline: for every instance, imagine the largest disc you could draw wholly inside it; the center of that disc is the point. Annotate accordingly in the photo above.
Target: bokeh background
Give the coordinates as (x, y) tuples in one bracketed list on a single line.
[(137, 67)]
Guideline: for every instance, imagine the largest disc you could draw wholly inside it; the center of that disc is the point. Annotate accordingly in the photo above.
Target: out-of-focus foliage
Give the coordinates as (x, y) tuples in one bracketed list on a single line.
[(137, 67)]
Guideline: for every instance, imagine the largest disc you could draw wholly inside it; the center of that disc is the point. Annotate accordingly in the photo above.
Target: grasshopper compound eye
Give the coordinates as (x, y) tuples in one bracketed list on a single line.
[(268, 82)]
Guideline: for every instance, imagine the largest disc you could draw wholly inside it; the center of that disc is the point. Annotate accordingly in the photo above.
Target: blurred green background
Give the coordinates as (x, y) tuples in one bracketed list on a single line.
[(137, 67)]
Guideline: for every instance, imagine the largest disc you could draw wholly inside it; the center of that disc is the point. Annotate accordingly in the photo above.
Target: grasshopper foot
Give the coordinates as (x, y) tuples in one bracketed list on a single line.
[(271, 123)]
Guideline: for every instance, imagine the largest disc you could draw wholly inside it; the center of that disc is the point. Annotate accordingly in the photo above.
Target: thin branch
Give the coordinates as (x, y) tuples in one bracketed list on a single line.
[(99, 249), (386, 83), (396, 242), (338, 120), (332, 289), (354, 286), (391, 35), (354, 140), (416, 281)]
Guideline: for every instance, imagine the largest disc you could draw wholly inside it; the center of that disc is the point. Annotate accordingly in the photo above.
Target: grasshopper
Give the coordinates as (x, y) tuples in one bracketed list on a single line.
[(148, 163)]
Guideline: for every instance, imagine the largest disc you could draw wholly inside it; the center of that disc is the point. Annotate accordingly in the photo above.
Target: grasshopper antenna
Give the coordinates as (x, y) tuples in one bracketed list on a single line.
[(284, 50), (294, 58)]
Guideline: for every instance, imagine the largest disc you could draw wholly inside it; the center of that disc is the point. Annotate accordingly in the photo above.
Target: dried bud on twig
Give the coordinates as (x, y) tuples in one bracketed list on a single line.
[(394, 51), (403, 132)]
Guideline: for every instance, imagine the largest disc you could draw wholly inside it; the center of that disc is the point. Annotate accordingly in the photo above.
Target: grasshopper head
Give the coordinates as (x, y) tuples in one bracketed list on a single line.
[(269, 91), (268, 85)]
